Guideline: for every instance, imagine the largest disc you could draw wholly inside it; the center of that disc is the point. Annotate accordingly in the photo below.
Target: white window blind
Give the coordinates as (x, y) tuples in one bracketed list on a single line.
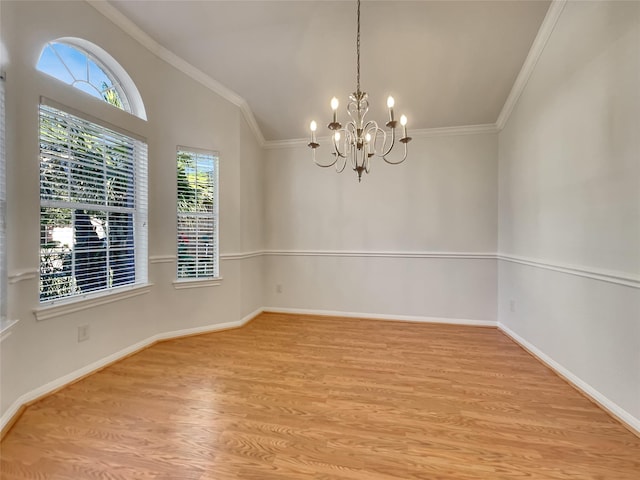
[(3, 213), (197, 198), (93, 207)]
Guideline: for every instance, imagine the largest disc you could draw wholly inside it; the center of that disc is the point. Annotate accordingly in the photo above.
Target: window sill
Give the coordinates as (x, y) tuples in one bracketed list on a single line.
[(64, 307), (197, 283), (6, 326)]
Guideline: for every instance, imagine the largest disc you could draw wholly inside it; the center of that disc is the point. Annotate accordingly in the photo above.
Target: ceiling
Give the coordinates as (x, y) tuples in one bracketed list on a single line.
[(447, 63)]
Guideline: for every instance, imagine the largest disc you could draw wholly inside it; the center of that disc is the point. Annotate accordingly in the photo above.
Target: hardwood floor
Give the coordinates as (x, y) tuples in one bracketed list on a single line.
[(289, 397)]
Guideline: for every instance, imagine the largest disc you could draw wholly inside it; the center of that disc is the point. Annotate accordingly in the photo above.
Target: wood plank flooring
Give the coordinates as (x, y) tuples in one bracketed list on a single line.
[(293, 397)]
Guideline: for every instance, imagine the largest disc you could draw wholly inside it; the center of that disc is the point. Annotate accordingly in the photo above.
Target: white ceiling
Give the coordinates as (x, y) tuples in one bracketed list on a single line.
[(447, 63)]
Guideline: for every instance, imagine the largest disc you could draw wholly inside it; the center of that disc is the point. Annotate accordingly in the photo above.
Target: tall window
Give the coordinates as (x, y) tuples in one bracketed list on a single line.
[(197, 214), (93, 206)]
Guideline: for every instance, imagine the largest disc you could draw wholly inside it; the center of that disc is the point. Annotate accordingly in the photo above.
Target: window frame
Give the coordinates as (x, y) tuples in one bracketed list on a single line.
[(205, 280), (139, 213), (113, 70)]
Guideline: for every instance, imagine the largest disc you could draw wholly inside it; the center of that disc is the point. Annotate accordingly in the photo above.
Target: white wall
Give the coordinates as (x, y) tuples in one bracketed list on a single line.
[(180, 111), (326, 233), (570, 199), (252, 221)]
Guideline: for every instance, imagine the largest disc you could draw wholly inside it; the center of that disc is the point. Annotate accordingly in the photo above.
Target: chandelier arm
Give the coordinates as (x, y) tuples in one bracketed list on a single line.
[(393, 142), (344, 164), (322, 165), (404, 157)]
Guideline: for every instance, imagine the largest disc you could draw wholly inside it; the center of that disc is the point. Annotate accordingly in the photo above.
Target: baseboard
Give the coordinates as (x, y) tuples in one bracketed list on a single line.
[(377, 316), (629, 421), (19, 406)]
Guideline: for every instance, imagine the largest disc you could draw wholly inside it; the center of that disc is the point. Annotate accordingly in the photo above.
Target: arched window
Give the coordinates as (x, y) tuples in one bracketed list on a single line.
[(89, 68), (93, 181)]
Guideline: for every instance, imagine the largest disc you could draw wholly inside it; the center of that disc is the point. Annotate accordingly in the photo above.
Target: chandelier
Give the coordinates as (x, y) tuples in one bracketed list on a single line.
[(359, 140)]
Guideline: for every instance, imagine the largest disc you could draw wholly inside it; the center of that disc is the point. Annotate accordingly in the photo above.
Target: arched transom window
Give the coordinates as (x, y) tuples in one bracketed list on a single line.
[(90, 69)]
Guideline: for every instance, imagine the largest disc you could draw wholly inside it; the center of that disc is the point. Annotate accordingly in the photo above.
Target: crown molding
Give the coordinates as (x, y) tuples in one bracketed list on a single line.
[(121, 21), (539, 43), (537, 47), (418, 133)]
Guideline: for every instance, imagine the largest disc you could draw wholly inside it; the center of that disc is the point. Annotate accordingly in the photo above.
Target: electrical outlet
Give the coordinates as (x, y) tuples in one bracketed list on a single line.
[(512, 305), (279, 288), (83, 333)]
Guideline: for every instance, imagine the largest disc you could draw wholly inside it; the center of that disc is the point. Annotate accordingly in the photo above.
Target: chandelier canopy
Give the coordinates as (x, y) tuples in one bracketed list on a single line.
[(359, 140)]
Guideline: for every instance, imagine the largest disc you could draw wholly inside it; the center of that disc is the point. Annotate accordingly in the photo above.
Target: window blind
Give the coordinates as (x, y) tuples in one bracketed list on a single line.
[(197, 199), (93, 207)]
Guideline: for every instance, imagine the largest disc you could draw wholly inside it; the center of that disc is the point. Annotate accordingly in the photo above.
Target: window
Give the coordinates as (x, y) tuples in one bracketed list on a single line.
[(93, 206), (197, 214), (89, 68)]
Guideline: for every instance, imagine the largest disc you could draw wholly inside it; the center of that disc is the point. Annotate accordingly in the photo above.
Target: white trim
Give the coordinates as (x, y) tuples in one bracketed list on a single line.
[(208, 328), (242, 255), (480, 129), (378, 316), (382, 254), (5, 328), (610, 276), (489, 128), (76, 304), (162, 259), (22, 275), (196, 283), (576, 381), (223, 256), (129, 27), (252, 122), (544, 33), (98, 364)]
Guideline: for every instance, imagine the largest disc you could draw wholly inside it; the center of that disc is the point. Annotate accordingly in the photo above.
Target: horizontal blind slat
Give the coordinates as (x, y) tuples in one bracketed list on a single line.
[(93, 206)]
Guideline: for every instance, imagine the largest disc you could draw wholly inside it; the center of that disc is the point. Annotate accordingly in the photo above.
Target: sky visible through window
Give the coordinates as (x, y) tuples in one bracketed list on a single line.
[(76, 68)]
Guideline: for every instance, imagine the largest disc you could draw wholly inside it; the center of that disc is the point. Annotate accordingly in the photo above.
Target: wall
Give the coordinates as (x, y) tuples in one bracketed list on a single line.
[(252, 221), (570, 204), (404, 242), (180, 111)]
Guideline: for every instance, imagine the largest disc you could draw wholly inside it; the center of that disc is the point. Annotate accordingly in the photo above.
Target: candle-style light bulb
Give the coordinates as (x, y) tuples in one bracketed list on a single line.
[(403, 122), (367, 144), (337, 136), (390, 103), (313, 126), (334, 107)]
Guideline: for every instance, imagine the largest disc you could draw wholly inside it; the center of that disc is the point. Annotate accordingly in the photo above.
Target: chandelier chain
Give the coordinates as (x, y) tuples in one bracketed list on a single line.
[(358, 50)]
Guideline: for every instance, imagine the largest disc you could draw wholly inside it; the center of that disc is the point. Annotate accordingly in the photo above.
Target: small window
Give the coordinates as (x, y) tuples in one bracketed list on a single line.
[(79, 68), (93, 207), (197, 200)]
